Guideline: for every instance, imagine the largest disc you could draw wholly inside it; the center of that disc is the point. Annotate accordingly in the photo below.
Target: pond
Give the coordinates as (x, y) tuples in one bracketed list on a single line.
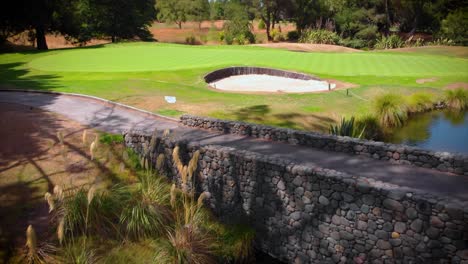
[(436, 130)]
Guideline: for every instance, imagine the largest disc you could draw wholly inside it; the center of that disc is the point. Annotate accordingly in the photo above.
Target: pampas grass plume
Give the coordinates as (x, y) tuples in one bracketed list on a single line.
[(31, 240), (61, 230), (173, 195), (84, 136), (91, 193), (50, 201)]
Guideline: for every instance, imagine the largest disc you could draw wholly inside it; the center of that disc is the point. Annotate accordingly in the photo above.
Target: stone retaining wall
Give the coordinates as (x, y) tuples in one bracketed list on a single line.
[(315, 215), (402, 154), (241, 70)]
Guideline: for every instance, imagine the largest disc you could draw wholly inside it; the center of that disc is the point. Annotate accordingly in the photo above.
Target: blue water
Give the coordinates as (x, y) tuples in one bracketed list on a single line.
[(437, 131)]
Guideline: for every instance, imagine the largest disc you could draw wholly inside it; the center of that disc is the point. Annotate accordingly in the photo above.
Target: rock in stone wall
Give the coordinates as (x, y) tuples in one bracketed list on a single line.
[(315, 215), (401, 154)]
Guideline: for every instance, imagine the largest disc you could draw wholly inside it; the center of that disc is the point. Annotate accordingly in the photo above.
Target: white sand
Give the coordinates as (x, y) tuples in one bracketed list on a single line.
[(268, 83)]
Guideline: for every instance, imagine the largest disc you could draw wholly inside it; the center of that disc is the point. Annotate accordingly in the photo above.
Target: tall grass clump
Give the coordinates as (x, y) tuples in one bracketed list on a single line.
[(189, 241), (389, 42), (370, 126), (457, 99), (391, 110), (146, 213), (420, 102)]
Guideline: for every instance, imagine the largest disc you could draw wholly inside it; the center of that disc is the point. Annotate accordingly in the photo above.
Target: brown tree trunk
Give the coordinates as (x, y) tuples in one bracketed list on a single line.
[(179, 24), (41, 41)]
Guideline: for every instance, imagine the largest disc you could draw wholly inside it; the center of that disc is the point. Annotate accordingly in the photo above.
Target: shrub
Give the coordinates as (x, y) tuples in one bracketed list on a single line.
[(389, 42), (457, 99), (442, 42), (111, 139), (455, 26), (293, 35), (320, 36), (347, 128), (276, 35), (391, 110), (353, 43), (419, 42), (261, 25), (420, 102), (368, 33), (191, 40), (238, 32)]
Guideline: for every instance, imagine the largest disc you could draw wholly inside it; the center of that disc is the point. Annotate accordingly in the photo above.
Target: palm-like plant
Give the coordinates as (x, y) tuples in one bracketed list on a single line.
[(347, 128)]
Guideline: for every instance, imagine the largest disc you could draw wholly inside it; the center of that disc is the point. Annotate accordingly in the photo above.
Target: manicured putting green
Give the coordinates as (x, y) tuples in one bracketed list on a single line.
[(169, 57)]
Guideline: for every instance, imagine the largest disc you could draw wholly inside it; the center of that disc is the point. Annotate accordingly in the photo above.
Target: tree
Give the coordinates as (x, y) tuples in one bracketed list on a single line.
[(78, 20), (238, 27), (123, 19), (173, 11), (199, 11), (455, 26), (270, 11), (306, 13)]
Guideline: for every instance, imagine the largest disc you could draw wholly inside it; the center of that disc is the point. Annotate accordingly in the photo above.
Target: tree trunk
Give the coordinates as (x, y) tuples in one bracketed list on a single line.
[(267, 27), (40, 38), (113, 39), (387, 14), (179, 24)]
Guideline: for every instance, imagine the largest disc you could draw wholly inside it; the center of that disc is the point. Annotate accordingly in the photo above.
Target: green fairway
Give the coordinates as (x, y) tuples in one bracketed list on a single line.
[(151, 57), (140, 74)]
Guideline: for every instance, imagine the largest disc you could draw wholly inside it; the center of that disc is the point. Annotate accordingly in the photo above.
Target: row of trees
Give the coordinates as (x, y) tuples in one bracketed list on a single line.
[(77, 20), (361, 18), (81, 20)]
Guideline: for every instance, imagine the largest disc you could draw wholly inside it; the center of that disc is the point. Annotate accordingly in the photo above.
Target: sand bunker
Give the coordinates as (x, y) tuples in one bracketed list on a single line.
[(269, 83)]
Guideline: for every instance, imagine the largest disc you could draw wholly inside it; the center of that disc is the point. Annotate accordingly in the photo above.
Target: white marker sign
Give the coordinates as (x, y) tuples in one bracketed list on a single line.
[(170, 99)]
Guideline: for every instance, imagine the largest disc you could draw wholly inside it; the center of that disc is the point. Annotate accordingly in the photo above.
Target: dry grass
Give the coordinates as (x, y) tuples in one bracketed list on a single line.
[(32, 164)]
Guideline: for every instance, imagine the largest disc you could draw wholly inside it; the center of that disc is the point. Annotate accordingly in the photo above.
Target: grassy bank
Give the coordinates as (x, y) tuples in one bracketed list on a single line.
[(140, 74)]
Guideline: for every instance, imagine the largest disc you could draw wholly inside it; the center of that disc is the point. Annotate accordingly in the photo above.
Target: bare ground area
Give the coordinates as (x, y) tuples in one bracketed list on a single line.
[(305, 47), (32, 162), (456, 85), (53, 42), (426, 80)]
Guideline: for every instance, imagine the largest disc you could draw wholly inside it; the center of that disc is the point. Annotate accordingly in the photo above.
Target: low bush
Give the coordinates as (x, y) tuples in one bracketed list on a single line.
[(457, 99), (389, 42), (353, 43), (237, 32), (276, 35), (293, 35), (320, 36), (391, 110), (442, 42), (420, 102), (190, 40)]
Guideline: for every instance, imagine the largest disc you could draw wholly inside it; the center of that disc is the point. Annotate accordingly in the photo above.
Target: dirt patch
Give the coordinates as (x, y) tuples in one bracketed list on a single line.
[(304, 47), (427, 80), (53, 41), (457, 85), (341, 85), (32, 161)]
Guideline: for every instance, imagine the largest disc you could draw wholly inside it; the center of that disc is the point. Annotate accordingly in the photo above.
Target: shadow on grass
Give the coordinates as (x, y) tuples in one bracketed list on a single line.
[(262, 114)]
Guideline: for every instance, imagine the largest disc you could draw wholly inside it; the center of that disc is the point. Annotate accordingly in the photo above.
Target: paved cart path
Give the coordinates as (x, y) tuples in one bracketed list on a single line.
[(113, 118)]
